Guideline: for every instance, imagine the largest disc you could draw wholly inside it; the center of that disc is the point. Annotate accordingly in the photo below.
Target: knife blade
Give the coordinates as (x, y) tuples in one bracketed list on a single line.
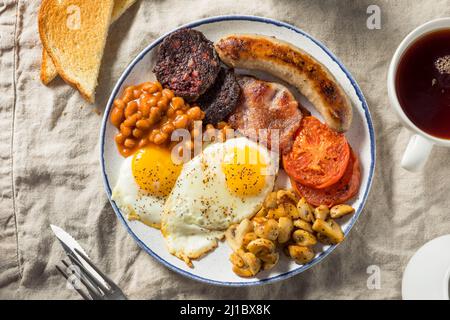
[(69, 244)]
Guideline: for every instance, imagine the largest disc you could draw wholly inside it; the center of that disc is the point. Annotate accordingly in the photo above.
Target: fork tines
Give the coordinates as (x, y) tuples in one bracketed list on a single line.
[(65, 275), (96, 288)]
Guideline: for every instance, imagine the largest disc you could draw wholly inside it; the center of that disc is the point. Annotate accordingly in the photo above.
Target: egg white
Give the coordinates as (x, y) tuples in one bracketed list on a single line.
[(136, 203), (201, 207)]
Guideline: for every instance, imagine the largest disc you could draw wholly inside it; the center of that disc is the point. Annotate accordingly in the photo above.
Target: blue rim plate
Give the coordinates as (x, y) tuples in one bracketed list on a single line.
[(362, 139)]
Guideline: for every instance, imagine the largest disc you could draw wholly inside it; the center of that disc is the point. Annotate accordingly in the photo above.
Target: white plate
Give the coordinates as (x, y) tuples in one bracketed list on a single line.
[(427, 274), (215, 268)]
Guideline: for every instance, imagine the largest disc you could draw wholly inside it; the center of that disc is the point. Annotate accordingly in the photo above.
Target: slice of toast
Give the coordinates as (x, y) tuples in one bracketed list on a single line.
[(48, 70), (73, 32)]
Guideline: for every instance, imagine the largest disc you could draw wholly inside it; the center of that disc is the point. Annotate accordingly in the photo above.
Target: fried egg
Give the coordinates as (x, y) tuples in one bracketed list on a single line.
[(145, 181), (223, 185)]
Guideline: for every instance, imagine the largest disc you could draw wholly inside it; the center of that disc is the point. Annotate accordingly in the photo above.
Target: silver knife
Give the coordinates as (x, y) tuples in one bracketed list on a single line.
[(69, 244)]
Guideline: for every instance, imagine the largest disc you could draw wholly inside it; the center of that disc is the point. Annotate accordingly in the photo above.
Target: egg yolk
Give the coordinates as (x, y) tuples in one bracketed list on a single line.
[(245, 171), (154, 171)]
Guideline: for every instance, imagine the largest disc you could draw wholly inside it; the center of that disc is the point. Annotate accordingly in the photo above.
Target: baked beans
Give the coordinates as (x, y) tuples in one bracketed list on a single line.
[(147, 113)]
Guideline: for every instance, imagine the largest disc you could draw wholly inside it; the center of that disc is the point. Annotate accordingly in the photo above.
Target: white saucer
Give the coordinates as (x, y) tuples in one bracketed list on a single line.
[(427, 274)]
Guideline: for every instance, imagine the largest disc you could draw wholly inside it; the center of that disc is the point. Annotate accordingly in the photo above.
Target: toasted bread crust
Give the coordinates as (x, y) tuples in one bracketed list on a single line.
[(120, 6), (294, 66), (57, 38), (48, 69)]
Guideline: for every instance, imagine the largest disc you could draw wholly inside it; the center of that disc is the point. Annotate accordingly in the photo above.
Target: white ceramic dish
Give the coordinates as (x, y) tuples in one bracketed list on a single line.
[(427, 275), (215, 268)]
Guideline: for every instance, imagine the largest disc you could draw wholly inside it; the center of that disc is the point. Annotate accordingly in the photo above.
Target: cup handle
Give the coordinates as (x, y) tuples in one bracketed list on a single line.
[(416, 153)]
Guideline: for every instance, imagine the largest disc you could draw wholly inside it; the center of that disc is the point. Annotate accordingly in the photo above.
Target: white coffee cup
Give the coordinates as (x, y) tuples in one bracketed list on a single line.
[(421, 143)]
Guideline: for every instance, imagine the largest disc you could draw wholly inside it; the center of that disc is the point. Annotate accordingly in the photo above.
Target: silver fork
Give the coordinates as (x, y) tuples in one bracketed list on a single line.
[(96, 289)]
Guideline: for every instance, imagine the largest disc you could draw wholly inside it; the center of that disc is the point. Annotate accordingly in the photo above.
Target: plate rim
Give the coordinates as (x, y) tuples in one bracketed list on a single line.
[(251, 18)]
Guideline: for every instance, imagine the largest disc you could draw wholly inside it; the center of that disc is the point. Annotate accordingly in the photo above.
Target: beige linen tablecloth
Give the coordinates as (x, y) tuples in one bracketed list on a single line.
[(50, 171)]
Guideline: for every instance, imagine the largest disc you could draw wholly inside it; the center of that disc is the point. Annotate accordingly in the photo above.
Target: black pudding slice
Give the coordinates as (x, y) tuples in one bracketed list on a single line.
[(221, 99), (187, 63)]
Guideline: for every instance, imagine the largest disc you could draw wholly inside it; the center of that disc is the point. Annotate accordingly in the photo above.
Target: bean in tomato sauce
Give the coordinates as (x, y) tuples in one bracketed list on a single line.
[(147, 113)]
